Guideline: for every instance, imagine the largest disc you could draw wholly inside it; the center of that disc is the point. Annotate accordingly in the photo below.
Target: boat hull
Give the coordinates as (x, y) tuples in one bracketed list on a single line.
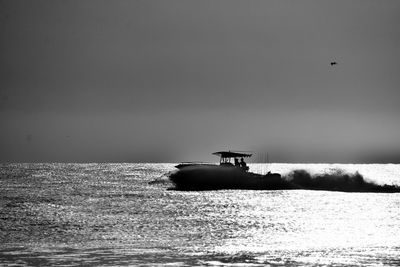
[(225, 177)]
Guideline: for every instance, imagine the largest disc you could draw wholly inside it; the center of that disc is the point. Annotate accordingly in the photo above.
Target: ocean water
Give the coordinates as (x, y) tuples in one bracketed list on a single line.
[(124, 214)]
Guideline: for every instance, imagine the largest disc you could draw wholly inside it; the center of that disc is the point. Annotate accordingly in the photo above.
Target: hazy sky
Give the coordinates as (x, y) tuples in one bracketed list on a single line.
[(168, 81)]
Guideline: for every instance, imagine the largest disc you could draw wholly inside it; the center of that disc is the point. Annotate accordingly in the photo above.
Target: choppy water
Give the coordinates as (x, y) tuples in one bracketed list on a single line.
[(109, 214)]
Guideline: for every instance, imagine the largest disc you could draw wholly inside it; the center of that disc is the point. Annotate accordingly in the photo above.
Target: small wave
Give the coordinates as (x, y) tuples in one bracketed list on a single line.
[(163, 179), (241, 259)]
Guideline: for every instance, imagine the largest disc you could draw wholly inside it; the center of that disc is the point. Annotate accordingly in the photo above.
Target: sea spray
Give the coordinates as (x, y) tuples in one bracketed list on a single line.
[(337, 180)]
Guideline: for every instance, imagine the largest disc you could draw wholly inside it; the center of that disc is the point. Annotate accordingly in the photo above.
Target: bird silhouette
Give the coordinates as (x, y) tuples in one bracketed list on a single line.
[(333, 63)]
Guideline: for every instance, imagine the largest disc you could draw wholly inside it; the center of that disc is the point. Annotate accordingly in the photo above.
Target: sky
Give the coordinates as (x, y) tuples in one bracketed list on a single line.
[(171, 81)]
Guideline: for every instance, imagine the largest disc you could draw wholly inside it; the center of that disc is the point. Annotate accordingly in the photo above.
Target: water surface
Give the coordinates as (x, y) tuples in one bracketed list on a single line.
[(109, 214)]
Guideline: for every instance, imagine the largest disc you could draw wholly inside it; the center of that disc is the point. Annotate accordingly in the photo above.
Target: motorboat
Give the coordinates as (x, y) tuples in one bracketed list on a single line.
[(230, 173)]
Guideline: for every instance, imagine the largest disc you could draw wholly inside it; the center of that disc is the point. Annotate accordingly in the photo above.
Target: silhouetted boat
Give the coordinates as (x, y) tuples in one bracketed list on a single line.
[(206, 176)]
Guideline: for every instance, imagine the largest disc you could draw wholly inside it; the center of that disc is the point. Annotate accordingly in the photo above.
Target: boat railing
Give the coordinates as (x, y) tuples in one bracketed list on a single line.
[(194, 163)]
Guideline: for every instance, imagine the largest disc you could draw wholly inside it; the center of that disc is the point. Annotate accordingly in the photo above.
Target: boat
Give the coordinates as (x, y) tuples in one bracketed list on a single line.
[(228, 174)]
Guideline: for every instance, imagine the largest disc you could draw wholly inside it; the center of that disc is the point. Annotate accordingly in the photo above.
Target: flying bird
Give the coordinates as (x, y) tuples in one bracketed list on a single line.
[(333, 63)]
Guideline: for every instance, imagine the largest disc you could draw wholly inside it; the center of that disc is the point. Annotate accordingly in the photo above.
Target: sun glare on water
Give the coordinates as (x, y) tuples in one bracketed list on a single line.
[(315, 227)]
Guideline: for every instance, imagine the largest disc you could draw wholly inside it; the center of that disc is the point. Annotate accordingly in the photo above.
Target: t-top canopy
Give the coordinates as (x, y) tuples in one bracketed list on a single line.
[(231, 154)]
